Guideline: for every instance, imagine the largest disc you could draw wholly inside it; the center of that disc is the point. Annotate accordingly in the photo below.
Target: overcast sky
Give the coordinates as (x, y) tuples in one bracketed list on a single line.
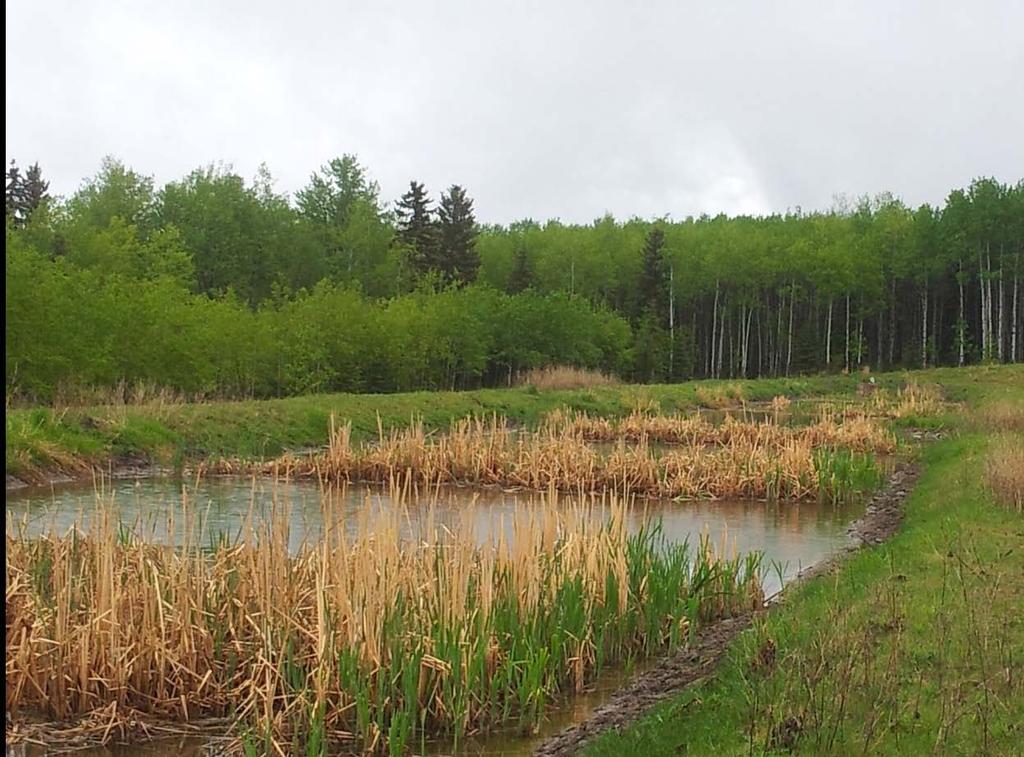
[(541, 109)]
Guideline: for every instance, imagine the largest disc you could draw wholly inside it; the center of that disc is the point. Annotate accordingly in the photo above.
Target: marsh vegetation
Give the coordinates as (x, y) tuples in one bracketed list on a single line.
[(368, 635)]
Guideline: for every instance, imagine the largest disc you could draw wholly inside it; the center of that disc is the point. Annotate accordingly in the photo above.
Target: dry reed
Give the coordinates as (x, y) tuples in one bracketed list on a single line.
[(734, 459), (372, 638), (848, 427), (910, 401)]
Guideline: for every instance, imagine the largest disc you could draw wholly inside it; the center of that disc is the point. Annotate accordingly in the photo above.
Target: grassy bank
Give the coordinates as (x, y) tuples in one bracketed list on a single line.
[(66, 440), (40, 441), (913, 647)]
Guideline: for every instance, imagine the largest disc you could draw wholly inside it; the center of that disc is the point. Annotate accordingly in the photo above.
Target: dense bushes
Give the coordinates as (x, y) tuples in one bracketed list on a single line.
[(68, 325), (214, 284)]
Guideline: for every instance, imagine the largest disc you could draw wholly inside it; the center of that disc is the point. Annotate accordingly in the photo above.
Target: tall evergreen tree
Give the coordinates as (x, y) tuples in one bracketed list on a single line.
[(35, 190), (23, 194), (13, 192), (459, 261), (652, 289), (416, 228), (522, 277)]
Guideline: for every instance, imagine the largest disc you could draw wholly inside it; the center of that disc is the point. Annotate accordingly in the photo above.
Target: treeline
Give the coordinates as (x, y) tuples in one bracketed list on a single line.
[(70, 326), (217, 285)]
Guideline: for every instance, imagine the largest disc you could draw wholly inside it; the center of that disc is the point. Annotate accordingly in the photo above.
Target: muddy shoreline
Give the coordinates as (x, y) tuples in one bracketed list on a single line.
[(699, 660), (122, 466)]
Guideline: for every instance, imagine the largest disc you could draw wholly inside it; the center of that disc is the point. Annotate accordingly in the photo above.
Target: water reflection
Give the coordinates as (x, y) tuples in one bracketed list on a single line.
[(793, 535)]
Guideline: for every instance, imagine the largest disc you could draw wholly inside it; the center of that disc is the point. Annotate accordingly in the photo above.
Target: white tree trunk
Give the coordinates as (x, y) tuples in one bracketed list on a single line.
[(760, 345), (984, 307), (847, 333), (892, 322), (924, 328), (960, 323), (742, 341), (789, 348), (777, 352), (745, 342), (1000, 319), (828, 337), (1013, 323), (714, 333), (721, 343), (860, 340), (671, 322)]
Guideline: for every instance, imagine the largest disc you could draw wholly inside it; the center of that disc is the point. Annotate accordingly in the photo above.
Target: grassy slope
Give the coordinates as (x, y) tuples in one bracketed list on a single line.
[(914, 647), (47, 440)]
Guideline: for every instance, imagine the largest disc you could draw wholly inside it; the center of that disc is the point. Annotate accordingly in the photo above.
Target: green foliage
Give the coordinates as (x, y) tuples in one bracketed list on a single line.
[(96, 325), (24, 195), (522, 277), (214, 284)]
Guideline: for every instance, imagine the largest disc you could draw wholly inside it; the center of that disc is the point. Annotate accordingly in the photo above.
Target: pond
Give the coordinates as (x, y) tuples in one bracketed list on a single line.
[(792, 537)]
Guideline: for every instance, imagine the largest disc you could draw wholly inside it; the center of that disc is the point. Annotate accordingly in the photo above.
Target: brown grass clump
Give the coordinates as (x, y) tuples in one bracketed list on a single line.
[(717, 397), (743, 468), (591, 427), (1005, 415), (669, 429), (911, 400), (836, 426), (564, 377), (852, 430), (1004, 471), (122, 394)]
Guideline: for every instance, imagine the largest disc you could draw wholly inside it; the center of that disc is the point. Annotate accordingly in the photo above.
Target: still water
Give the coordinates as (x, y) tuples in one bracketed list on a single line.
[(792, 536)]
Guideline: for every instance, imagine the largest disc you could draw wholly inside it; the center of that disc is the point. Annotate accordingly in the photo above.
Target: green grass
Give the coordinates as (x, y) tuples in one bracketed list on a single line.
[(41, 440), (913, 647), (46, 440)]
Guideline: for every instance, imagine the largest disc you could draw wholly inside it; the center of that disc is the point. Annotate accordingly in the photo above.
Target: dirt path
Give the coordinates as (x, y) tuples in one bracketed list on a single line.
[(697, 661)]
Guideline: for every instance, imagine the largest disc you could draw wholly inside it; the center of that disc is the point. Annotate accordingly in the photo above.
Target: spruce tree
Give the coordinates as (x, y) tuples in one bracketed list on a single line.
[(521, 278), (14, 189), (417, 229), (34, 190), (652, 289), (459, 261)]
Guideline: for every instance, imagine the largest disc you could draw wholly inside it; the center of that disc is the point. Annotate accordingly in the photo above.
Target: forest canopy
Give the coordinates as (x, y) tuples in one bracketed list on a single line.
[(217, 285)]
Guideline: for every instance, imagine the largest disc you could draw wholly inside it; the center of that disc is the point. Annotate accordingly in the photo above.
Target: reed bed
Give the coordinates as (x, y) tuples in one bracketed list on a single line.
[(735, 459), (371, 639), (912, 400), (833, 427)]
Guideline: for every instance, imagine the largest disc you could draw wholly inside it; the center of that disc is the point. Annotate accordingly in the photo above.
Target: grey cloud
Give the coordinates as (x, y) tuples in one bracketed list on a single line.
[(541, 109)]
